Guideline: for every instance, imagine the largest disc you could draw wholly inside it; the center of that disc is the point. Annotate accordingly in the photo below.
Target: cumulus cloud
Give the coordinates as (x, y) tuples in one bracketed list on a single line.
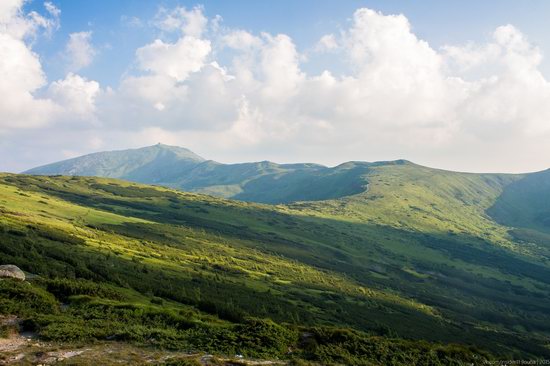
[(280, 68), (16, 23), (20, 69), (398, 79), (21, 75), (241, 40), (511, 101), (237, 95), (76, 94), (23, 78), (327, 43), (399, 98), (188, 22), (79, 50), (181, 86), (176, 60)]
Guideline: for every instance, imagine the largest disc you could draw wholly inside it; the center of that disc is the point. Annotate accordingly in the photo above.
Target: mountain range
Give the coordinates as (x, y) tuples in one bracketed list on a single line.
[(180, 168), (360, 264), (522, 203)]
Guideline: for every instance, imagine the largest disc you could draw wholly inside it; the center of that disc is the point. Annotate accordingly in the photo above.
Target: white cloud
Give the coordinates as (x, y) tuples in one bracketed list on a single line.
[(327, 43), (241, 40), (52, 9), (205, 100), (15, 22), (189, 22), (21, 75), (512, 101), (280, 68), (20, 69), (398, 78), (400, 97), (176, 60), (9, 9), (79, 51), (23, 78), (235, 95), (76, 94)]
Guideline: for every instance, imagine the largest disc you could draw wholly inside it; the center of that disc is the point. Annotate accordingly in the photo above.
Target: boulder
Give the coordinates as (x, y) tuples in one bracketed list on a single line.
[(11, 271)]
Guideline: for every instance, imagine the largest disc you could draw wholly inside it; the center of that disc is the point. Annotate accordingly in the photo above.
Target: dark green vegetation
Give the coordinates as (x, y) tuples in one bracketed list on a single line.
[(180, 168), (367, 278), (92, 316)]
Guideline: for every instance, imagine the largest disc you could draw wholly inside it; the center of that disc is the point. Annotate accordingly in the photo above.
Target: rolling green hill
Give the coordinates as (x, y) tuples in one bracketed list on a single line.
[(417, 257), (179, 168)]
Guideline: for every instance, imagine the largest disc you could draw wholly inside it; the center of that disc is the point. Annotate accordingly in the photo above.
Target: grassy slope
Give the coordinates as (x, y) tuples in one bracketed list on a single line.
[(181, 251), (273, 183), (415, 255)]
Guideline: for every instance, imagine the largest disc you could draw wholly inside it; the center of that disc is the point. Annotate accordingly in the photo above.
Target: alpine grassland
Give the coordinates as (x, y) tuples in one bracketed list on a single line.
[(419, 266)]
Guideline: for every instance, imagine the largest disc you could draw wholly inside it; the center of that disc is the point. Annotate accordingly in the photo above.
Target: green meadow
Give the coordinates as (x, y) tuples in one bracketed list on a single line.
[(421, 267)]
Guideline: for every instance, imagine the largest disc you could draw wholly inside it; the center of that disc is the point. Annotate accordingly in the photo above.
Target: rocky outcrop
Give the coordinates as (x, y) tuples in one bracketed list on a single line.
[(11, 271)]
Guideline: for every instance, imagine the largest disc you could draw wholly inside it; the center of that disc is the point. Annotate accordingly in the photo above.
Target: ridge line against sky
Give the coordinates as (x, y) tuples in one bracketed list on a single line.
[(464, 88)]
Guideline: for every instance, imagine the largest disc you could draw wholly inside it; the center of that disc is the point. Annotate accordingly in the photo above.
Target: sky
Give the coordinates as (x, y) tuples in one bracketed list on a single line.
[(458, 85)]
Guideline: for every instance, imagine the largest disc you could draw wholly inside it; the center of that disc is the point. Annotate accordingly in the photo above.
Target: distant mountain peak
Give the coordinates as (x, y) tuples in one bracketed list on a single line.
[(181, 152), (148, 164)]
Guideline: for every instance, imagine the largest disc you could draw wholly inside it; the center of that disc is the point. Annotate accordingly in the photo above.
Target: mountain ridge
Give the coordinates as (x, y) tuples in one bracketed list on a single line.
[(180, 168), (187, 153), (521, 195)]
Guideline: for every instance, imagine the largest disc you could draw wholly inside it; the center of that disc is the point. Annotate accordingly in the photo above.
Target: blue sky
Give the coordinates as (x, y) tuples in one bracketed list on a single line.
[(460, 85), (438, 22)]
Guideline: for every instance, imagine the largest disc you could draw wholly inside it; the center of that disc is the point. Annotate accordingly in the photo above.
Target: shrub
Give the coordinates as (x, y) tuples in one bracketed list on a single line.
[(23, 299), (64, 288), (264, 338), (66, 329)]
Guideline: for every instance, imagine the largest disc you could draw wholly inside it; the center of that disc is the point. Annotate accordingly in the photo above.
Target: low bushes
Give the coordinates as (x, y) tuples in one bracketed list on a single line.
[(24, 299)]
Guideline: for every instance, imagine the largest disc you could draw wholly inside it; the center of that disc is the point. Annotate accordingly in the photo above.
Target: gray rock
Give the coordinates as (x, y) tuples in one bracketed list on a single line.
[(11, 271)]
